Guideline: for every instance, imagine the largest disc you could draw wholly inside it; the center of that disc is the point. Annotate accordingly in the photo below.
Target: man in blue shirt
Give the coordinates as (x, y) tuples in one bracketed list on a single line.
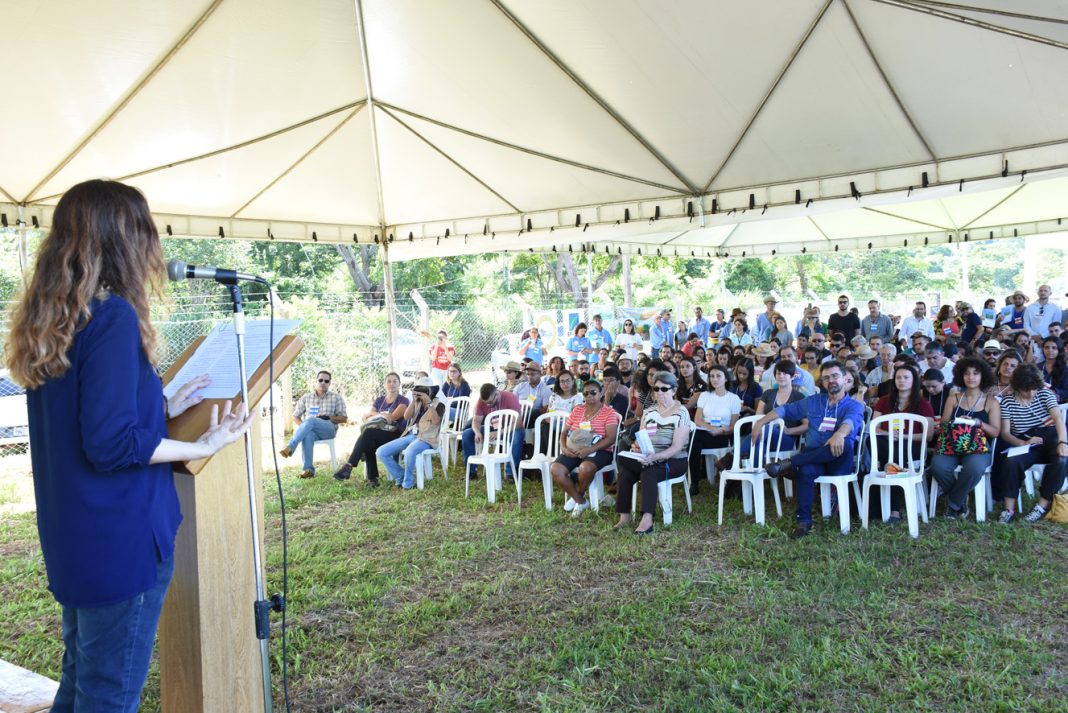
[(701, 326), (765, 322), (598, 335), (660, 331), (834, 422)]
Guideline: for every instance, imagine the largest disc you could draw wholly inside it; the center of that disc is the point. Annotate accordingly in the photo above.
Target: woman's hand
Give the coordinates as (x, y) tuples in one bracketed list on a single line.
[(1062, 450), (185, 398), (224, 431), (1034, 441)]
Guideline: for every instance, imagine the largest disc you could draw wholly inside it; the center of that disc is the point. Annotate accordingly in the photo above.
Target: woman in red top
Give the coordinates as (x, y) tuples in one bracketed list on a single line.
[(904, 397), (587, 442), (441, 355)]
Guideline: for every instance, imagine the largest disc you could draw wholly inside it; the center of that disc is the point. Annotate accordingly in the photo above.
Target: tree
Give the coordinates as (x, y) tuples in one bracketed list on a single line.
[(567, 278)]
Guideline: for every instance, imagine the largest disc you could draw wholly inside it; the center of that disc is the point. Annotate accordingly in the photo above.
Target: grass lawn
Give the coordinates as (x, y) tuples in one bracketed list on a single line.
[(425, 601)]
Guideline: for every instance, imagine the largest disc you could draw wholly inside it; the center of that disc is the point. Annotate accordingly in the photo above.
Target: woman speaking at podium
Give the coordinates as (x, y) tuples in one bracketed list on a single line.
[(82, 344)]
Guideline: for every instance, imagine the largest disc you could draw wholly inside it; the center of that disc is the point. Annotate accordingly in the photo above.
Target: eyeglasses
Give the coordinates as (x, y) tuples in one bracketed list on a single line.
[(591, 393), (1041, 310), (662, 388), (324, 381)]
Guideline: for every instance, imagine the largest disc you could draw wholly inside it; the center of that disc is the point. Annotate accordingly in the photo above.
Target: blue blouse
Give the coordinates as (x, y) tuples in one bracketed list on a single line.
[(105, 516), (578, 344)]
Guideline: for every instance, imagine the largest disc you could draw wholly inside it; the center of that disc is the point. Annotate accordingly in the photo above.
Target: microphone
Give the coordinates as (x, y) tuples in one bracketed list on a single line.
[(178, 270)]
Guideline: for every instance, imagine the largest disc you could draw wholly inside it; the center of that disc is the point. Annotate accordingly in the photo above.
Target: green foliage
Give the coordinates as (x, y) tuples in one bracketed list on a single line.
[(749, 275)]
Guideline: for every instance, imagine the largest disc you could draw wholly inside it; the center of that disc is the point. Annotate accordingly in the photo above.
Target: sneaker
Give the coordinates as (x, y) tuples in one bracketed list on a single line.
[(1036, 514), (801, 530), (344, 472), (607, 501), (286, 452), (307, 474), (580, 508), (569, 504), (1006, 517), (952, 514), (372, 483), (893, 520)]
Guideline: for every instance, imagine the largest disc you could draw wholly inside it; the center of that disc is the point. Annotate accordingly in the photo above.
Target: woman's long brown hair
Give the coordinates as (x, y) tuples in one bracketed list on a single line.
[(102, 240)]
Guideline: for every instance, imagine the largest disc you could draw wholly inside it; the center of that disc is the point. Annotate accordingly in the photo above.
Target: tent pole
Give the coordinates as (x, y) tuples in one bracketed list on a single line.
[(391, 303), (589, 286), (24, 251)]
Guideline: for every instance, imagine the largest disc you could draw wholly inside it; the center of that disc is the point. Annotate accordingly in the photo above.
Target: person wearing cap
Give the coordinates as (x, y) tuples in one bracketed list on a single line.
[(991, 351), (918, 322), (513, 374), (533, 347), (317, 415), (426, 412), (441, 355), (1014, 315), (660, 332), (877, 324), (1041, 313), (599, 336), (844, 321), (765, 322), (535, 390)]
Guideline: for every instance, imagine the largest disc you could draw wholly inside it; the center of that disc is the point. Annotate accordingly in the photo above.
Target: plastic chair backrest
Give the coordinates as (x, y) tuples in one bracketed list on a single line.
[(768, 437), (858, 449), (900, 440), (525, 407), (498, 441), (459, 407), (556, 420)]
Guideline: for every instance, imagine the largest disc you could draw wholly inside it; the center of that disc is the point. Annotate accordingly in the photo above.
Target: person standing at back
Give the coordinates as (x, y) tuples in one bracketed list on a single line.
[(83, 345), (843, 320), (442, 355), (877, 324)]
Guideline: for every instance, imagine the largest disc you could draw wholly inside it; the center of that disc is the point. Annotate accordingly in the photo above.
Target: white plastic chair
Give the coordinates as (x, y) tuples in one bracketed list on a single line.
[(980, 492), (525, 407), (597, 487), (541, 461), (496, 453), (424, 464), (663, 488), (753, 478), (841, 484), (452, 431), (710, 456), (329, 443), (1033, 476), (910, 479)]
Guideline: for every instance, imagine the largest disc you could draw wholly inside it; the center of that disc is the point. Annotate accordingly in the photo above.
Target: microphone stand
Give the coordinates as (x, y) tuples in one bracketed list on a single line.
[(262, 607)]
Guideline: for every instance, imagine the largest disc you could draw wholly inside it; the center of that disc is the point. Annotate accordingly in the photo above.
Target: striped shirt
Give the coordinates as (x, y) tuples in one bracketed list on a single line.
[(1025, 417), (599, 424), (661, 429)]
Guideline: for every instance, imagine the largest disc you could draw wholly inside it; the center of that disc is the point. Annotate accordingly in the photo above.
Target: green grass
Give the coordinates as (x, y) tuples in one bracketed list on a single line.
[(430, 602)]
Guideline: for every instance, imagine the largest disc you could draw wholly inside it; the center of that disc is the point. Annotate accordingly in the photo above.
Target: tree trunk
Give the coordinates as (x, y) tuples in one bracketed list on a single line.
[(360, 272), (799, 263), (628, 293)]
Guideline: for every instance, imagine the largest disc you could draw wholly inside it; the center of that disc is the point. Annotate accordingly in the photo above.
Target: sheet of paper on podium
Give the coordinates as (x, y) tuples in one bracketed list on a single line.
[(217, 356)]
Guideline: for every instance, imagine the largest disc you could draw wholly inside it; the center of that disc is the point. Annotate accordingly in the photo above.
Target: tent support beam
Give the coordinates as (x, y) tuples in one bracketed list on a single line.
[(886, 81), (391, 302), (982, 215), (964, 19), (616, 116), (993, 11), (531, 152), (771, 90), (127, 98), (889, 214), (299, 161), (361, 32), (451, 160)]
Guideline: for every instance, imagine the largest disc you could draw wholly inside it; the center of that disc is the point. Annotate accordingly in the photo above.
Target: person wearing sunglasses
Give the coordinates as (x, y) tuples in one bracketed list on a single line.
[(629, 340), (844, 320), (587, 444), (317, 414), (668, 426)]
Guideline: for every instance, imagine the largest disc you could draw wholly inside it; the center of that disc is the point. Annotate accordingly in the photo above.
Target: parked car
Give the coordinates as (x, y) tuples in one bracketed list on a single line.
[(14, 424)]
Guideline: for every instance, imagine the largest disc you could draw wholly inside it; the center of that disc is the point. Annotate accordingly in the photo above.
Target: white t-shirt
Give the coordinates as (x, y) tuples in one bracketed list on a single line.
[(559, 403), (717, 410), (632, 343)]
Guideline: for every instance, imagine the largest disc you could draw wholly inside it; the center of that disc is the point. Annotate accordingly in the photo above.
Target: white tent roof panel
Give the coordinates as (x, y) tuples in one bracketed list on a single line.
[(224, 112)]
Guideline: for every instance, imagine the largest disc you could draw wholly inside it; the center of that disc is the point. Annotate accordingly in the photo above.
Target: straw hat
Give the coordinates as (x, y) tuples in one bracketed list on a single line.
[(992, 345), (865, 352), (513, 366), (763, 351)]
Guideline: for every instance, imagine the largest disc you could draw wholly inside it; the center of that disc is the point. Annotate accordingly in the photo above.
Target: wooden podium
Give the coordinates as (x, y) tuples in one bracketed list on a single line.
[(209, 653)]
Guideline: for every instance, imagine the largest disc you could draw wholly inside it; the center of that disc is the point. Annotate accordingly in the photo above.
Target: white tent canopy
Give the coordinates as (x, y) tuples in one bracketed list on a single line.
[(692, 127)]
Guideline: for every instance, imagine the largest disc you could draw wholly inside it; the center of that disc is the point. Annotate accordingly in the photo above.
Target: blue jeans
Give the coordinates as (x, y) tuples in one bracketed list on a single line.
[(107, 651), (517, 446), (307, 433), (411, 446), (811, 464)]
